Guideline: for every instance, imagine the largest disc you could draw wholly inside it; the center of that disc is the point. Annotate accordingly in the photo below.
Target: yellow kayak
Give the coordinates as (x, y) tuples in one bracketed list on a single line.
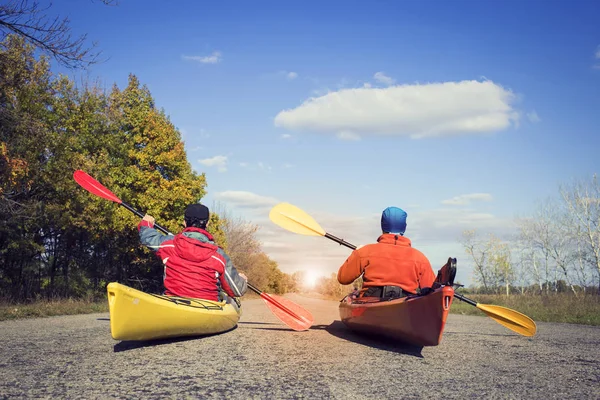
[(136, 315)]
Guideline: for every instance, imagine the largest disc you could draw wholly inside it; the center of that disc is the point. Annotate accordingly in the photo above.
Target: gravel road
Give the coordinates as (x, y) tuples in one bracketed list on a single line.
[(75, 357)]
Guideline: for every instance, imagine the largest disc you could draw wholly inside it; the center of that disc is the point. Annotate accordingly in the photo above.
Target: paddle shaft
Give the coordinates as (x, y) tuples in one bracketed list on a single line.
[(141, 215), (465, 299), (342, 242)]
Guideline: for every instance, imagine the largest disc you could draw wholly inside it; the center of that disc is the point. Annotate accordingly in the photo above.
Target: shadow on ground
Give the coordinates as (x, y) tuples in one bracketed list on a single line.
[(338, 329), (126, 345)]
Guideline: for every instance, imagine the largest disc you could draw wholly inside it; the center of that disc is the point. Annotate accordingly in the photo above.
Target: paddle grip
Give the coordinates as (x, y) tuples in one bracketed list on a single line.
[(342, 242)]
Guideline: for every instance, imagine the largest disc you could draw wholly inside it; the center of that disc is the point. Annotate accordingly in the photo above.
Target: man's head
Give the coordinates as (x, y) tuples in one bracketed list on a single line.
[(393, 220), (196, 215)]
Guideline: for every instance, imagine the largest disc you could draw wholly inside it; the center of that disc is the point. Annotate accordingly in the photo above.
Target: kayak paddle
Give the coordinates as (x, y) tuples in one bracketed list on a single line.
[(296, 220), (290, 313)]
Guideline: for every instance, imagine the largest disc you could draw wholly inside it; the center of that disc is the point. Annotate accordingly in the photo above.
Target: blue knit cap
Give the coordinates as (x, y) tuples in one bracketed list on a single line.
[(393, 220)]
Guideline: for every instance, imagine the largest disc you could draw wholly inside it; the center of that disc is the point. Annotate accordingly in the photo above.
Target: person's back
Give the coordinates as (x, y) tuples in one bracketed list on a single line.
[(195, 266), (391, 262)]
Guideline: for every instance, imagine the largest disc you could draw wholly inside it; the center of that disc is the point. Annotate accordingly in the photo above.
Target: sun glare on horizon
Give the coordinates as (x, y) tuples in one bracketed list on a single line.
[(310, 278)]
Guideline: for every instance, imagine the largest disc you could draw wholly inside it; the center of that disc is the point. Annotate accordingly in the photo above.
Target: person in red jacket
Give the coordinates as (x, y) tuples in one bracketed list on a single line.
[(195, 266), (391, 267)]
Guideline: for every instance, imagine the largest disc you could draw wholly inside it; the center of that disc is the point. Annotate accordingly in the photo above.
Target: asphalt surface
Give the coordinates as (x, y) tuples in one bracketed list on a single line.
[(75, 357)]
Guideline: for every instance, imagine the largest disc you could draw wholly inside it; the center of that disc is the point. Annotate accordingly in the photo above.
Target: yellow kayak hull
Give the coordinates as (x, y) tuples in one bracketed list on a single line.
[(136, 315)]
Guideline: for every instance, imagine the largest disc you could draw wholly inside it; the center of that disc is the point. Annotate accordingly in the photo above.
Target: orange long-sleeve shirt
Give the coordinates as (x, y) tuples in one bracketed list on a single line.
[(389, 262)]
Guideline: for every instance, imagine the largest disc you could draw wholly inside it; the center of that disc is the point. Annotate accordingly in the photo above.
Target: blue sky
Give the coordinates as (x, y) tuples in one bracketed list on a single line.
[(464, 113)]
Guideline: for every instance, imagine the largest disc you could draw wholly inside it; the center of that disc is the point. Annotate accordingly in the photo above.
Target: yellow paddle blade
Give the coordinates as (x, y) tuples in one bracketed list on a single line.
[(295, 220), (511, 319)]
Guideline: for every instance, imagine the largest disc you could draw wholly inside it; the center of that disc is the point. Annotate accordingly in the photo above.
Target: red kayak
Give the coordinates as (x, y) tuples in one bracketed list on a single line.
[(416, 320)]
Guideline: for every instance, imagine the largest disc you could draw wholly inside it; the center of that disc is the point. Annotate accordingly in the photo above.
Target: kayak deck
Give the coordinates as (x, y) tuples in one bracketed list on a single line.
[(416, 320), (136, 315)]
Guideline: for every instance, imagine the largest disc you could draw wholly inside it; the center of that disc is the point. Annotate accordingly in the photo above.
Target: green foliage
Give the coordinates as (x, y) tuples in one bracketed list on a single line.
[(56, 239)]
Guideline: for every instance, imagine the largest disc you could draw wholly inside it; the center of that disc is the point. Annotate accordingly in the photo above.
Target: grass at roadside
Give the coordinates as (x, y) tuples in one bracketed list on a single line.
[(51, 308), (553, 308)]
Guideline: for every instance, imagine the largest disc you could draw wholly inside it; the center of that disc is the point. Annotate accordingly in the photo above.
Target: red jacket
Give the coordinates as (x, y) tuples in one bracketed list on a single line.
[(389, 262), (194, 265)]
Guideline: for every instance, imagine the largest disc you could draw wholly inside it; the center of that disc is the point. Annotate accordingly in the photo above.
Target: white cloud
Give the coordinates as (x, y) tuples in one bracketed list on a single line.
[(533, 117), (465, 199), (348, 135), (286, 136), (367, 85), (287, 165), (263, 166), (289, 75), (383, 78), (217, 161), (417, 111), (597, 53), (245, 199), (214, 58)]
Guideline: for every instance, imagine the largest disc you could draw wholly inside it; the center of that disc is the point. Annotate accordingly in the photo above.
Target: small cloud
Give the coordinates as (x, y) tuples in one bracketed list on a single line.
[(196, 148), (465, 199), (214, 58), (203, 134), (342, 83), (597, 57), (217, 161), (263, 166), (348, 135), (289, 75), (533, 117), (367, 85), (287, 165), (246, 199), (243, 164), (383, 78), (286, 136)]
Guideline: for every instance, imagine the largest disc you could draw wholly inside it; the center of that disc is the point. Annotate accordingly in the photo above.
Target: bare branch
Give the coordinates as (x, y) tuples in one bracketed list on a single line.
[(51, 35)]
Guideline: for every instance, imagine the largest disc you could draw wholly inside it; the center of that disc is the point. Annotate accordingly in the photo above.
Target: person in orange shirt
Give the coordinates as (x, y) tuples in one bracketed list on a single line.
[(391, 267)]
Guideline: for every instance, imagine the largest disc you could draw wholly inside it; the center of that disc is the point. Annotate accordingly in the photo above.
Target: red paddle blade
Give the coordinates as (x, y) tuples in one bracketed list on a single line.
[(290, 313), (93, 186)]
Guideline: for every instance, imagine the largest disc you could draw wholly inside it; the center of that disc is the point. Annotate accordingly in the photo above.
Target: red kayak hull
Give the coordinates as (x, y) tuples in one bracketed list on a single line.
[(416, 320)]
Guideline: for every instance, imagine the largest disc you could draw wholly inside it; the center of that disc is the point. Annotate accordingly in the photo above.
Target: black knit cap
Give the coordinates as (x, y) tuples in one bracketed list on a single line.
[(196, 211)]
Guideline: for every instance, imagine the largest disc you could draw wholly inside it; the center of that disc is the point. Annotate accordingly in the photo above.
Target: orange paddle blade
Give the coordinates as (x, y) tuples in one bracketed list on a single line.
[(290, 313)]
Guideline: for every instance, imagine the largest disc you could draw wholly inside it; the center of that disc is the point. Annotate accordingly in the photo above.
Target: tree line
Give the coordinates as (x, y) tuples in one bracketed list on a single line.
[(58, 240), (557, 249)]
